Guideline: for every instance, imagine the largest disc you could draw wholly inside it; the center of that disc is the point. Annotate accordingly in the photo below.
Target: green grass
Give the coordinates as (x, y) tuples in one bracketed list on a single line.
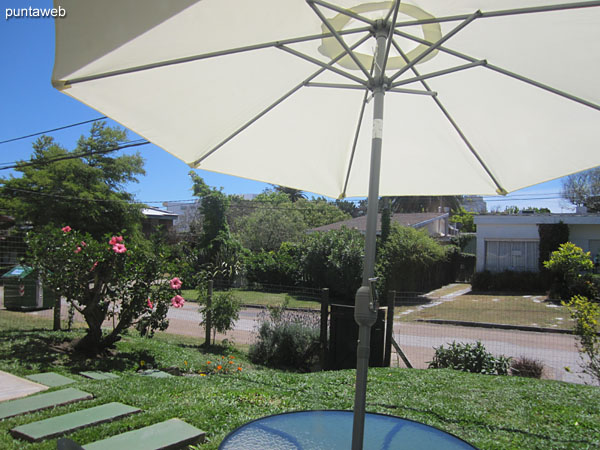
[(488, 411), (262, 298), (506, 309)]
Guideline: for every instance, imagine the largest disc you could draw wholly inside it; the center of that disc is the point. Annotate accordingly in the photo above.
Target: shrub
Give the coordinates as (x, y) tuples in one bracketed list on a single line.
[(288, 341), (120, 278), (527, 367), (334, 260), (469, 358), (571, 269), (224, 309), (587, 316), (281, 267)]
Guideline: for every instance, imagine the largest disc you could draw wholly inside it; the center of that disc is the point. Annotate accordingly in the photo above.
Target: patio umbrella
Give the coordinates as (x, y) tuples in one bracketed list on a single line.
[(481, 96)]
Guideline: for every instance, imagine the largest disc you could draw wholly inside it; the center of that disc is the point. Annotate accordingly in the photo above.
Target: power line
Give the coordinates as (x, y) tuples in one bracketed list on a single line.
[(52, 130), (42, 162)]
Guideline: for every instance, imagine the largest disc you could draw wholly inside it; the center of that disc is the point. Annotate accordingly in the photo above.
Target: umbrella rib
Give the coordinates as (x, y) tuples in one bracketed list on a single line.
[(338, 37), (445, 112), (275, 103), (441, 72), (172, 62), (356, 87), (500, 13), (346, 12), (394, 12), (505, 72), (324, 64), (434, 46)]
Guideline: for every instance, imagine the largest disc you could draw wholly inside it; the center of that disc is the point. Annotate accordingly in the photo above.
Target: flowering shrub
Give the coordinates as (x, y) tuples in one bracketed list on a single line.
[(221, 366), (114, 278)]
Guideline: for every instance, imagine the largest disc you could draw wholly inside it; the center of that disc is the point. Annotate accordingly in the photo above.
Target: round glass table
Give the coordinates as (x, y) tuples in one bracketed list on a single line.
[(333, 430)]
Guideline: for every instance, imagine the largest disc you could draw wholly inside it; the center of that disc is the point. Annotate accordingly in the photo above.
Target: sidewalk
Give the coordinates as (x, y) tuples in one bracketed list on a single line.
[(12, 387)]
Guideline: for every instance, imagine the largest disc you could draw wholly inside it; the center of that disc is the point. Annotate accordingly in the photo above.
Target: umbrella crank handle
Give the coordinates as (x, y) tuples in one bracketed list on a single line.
[(366, 304)]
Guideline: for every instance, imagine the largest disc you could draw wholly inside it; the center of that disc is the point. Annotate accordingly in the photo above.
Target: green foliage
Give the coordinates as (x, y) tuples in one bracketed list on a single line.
[(570, 267), (509, 281), (224, 311), (551, 236), (334, 259), (287, 340), (469, 358), (410, 260), (586, 315), (281, 267), (113, 278), (87, 192), (464, 219)]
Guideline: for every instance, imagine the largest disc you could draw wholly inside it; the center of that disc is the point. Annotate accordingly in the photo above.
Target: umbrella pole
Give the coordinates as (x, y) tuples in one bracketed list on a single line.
[(365, 310)]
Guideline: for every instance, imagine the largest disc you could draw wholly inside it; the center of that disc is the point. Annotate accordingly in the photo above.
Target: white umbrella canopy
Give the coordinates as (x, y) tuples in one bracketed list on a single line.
[(529, 115), (481, 96)]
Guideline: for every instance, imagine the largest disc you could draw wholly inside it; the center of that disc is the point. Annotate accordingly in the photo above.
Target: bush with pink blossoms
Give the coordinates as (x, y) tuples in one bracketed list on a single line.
[(117, 278)]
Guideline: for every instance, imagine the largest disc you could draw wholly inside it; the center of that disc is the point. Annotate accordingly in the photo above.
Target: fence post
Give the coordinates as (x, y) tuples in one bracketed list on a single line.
[(323, 333), (389, 329), (208, 318)]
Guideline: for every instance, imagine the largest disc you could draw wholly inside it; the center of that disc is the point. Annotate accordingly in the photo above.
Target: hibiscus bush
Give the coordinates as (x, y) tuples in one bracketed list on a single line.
[(124, 280)]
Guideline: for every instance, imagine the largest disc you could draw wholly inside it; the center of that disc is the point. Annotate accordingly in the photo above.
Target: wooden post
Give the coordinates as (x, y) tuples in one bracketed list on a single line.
[(323, 333), (389, 328), (208, 318)]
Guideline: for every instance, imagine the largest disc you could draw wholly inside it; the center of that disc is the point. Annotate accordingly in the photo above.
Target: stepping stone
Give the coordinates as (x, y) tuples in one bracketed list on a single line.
[(42, 401), (12, 387), (57, 426), (170, 434), (99, 375), (154, 373), (50, 379)]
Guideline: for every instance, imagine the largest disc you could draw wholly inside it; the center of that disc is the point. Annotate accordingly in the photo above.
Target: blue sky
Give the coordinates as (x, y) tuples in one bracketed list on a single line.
[(29, 104)]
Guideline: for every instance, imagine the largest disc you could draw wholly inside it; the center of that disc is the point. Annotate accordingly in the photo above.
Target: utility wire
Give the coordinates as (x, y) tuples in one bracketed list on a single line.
[(41, 162), (52, 130)]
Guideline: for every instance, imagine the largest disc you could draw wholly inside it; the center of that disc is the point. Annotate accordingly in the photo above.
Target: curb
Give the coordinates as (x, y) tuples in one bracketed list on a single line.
[(495, 325)]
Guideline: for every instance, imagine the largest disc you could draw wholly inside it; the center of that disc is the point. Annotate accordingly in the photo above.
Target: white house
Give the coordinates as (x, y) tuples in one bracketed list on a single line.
[(511, 242)]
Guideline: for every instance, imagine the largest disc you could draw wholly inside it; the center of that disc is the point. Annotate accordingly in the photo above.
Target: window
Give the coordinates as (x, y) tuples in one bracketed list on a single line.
[(511, 255)]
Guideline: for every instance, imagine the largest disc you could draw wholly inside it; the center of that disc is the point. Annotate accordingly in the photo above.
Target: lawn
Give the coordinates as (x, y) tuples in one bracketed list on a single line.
[(525, 310), (264, 298), (490, 412)]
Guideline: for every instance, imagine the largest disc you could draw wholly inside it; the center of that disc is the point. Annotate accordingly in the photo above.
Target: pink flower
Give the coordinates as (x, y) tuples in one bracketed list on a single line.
[(177, 301), (175, 283), (149, 303), (78, 249), (66, 229), (94, 266), (83, 244), (115, 240), (119, 248)]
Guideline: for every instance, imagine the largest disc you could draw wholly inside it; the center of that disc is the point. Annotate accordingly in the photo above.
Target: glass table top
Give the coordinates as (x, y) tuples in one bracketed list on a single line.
[(332, 430)]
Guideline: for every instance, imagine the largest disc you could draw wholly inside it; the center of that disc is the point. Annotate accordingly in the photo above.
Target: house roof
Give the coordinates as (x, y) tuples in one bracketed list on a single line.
[(158, 213), (523, 219), (415, 220)]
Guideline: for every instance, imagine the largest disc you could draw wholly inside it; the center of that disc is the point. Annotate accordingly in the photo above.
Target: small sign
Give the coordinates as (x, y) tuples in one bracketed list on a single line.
[(21, 290)]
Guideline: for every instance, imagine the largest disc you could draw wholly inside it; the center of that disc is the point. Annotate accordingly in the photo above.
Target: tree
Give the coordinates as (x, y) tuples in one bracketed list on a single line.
[(571, 268), (586, 315), (215, 247), (417, 204), (293, 194), (465, 219), (115, 277), (87, 192), (583, 189)]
